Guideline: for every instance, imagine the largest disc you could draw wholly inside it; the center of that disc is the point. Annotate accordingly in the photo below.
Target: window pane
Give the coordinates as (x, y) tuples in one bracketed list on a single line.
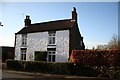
[(49, 58), (53, 34), (50, 40), (24, 56), (50, 34), (21, 56), (53, 58), (53, 40), (24, 39), (53, 53), (52, 37)]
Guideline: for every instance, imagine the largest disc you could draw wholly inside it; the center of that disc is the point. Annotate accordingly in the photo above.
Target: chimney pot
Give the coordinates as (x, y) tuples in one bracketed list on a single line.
[(74, 9), (27, 17), (27, 20), (74, 14)]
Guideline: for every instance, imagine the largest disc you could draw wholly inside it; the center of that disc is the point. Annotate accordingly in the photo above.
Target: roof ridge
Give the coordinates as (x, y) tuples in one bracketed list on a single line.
[(51, 21), (63, 24)]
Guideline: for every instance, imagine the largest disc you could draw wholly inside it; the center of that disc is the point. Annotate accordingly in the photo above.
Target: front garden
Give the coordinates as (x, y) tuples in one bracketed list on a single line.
[(91, 63)]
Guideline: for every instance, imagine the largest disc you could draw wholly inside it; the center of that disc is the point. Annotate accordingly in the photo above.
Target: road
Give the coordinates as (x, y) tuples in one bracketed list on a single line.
[(6, 75), (17, 75)]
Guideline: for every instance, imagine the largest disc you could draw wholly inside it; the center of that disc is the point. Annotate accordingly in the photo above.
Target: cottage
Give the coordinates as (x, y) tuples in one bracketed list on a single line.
[(58, 38)]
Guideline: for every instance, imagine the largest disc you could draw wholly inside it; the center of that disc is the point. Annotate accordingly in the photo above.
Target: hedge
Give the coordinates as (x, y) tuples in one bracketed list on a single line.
[(105, 62), (68, 68), (96, 57)]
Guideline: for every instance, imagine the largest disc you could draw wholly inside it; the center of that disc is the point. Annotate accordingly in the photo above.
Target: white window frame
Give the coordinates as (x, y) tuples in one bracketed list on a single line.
[(51, 38), (24, 39), (23, 54), (50, 55)]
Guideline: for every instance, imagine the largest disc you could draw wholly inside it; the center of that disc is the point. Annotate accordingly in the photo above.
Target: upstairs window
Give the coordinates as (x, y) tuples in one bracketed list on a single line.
[(51, 37), (24, 39)]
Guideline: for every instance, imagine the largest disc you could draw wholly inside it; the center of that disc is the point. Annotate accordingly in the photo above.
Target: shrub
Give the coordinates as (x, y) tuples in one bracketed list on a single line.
[(96, 57), (69, 68), (105, 63), (15, 65), (110, 72), (40, 55)]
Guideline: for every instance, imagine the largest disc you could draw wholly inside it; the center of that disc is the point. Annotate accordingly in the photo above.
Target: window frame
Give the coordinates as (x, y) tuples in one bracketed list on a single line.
[(24, 40), (51, 38), (51, 55), (23, 54)]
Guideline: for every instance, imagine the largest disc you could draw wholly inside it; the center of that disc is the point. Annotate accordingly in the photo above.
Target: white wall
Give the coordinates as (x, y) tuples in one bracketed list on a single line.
[(18, 46), (36, 42), (62, 46), (39, 41)]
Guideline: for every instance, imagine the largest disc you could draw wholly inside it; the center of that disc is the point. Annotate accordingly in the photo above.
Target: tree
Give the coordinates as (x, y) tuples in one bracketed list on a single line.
[(113, 43), (102, 47)]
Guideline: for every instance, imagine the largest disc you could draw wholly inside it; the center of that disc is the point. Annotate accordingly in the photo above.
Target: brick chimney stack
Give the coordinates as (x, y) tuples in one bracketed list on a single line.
[(74, 14), (27, 21)]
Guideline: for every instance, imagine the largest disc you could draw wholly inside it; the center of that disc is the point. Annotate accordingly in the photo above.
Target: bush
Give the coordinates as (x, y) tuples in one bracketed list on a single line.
[(69, 68), (40, 55), (96, 57), (15, 65), (110, 72), (105, 63)]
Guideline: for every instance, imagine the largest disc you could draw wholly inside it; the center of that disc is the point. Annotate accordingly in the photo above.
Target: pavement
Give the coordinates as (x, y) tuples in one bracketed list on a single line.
[(42, 76), (39, 74)]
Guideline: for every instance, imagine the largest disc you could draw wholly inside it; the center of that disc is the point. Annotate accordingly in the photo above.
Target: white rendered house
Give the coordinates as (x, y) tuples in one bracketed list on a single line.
[(58, 38)]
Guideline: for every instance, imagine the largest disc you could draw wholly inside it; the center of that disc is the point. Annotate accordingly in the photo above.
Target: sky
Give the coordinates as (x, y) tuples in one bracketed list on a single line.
[(97, 21)]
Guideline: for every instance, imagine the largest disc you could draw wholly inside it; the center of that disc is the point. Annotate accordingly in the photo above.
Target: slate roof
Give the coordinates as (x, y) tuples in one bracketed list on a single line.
[(47, 26)]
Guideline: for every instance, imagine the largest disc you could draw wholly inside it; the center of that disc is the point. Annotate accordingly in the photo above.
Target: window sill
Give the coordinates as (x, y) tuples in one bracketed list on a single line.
[(51, 45), (23, 45)]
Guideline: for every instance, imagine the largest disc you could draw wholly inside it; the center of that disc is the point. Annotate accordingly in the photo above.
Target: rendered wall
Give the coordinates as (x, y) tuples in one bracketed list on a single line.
[(62, 46), (39, 42)]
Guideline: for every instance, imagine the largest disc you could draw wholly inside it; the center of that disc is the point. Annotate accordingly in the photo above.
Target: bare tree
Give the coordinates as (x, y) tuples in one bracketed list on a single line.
[(113, 43), (102, 47)]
